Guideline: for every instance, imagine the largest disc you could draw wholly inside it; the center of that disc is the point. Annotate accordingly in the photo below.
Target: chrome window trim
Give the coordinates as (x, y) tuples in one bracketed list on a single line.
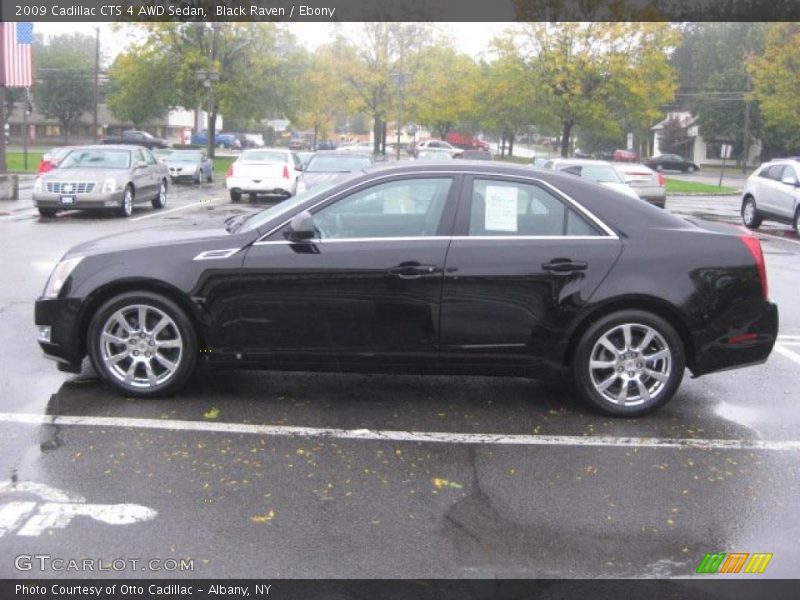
[(609, 233), (460, 238)]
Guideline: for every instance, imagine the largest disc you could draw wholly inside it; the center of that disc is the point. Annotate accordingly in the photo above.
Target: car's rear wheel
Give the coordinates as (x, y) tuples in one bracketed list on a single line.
[(160, 201), (691, 169), (143, 344), (750, 216), (47, 212), (659, 167), (236, 196), (628, 363), (126, 205)]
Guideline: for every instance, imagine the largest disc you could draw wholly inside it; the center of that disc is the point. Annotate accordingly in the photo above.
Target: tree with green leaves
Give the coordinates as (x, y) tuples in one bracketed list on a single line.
[(590, 72), (321, 94), (140, 86), (444, 91), (776, 85), (64, 73)]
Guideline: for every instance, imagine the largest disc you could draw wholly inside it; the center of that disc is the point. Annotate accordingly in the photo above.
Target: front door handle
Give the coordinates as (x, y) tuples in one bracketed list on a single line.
[(564, 265), (412, 270)]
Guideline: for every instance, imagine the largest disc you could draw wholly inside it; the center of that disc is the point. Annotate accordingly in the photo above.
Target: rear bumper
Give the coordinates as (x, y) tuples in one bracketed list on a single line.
[(264, 186), (744, 336)]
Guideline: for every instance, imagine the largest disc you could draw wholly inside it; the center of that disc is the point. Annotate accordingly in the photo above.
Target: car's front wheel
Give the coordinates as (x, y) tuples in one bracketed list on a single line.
[(47, 212), (691, 169), (797, 222), (126, 206), (143, 344), (750, 215), (160, 201), (628, 363)]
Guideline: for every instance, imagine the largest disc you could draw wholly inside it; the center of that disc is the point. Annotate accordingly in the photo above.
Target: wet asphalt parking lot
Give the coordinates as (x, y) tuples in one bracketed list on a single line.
[(251, 473)]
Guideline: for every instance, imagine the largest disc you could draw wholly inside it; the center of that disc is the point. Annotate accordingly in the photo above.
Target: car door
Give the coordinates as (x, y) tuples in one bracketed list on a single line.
[(155, 169), (770, 189), (523, 261), (366, 290), (142, 176)]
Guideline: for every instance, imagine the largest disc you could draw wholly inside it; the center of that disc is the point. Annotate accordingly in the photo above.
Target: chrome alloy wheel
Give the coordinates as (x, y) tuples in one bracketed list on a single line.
[(127, 202), (630, 364), (749, 212), (141, 346)]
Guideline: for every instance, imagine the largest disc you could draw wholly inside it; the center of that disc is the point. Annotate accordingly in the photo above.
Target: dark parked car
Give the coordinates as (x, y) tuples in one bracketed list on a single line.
[(455, 267), (671, 162), (137, 138)]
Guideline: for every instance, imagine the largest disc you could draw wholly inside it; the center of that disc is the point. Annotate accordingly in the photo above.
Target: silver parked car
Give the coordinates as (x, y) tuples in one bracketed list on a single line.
[(598, 171), (190, 165), (646, 182), (773, 193), (103, 177), (332, 166)]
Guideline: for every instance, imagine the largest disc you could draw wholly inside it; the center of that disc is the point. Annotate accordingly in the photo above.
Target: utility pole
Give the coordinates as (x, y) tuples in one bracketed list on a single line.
[(96, 78), (747, 124), (401, 92)]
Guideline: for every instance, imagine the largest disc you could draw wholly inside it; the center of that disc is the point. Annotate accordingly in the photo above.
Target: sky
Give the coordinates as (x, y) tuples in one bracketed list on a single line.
[(470, 38)]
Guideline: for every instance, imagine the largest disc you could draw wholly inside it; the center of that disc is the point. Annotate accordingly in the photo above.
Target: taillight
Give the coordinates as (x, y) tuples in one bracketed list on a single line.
[(286, 171), (229, 172), (661, 180), (754, 246)]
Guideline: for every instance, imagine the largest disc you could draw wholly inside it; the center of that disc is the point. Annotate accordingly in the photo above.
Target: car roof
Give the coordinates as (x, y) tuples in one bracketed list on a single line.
[(110, 147)]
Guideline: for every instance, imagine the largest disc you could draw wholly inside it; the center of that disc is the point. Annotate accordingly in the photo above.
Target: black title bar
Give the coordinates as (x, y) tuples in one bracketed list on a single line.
[(398, 10)]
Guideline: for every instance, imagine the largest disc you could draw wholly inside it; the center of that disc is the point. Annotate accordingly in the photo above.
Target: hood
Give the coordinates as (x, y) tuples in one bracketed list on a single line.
[(169, 235), (84, 174), (621, 187), (313, 180)]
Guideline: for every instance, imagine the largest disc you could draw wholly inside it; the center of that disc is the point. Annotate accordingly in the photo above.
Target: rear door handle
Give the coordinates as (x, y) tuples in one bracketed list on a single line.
[(412, 270), (564, 265)]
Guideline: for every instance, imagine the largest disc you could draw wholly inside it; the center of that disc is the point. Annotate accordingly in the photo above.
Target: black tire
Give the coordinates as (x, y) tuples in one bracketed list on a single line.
[(186, 357), (210, 178), (796, 223), (47, 212), (751, 218), (659, 168), (160, 201), (236, 196), (691, 169), (198, 178), (661, 378), (126, 204)]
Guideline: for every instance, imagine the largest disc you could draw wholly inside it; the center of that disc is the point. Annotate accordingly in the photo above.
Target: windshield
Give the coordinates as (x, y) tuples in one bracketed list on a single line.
[(265, 216), (263, 156), (336, 163), (97, 159), (185, 156)]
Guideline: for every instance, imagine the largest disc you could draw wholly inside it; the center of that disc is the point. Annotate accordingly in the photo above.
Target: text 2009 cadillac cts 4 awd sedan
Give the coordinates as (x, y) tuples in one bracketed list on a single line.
[(447, 268)]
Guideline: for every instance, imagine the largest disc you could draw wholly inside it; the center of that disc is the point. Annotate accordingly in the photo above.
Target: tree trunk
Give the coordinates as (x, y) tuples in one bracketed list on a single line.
[(66, 133), (376, 134), (316, 127), (212, 134), (511, 144), (566, 132)]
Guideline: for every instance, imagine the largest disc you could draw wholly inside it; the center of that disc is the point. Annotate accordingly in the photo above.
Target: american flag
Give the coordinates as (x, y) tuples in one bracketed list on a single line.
[(16, 40)]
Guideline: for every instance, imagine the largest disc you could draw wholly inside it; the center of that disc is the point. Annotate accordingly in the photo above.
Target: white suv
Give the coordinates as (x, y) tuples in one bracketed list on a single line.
[(440, 145), (773, 193)]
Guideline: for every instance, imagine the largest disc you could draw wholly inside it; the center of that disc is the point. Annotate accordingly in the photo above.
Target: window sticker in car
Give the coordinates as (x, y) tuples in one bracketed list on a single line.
[(501, 208)]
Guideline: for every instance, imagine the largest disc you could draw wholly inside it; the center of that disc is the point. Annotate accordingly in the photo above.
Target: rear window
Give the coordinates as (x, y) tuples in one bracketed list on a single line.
[(263, 156)]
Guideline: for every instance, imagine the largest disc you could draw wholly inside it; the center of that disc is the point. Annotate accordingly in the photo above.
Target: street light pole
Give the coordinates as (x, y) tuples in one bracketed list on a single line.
[(96, 78)]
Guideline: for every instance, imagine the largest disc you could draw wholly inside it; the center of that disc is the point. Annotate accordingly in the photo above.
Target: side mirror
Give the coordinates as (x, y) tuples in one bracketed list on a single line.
[(789, 181), (301, 227)]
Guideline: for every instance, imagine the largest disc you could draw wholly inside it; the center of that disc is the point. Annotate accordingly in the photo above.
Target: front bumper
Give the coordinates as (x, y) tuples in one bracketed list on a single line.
[(744, 335), (93, 200), (65, 343), (263, 186)]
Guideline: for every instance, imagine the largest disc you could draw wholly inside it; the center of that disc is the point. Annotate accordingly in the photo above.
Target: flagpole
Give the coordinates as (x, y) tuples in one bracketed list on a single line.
[(25, 130), (2, 128)]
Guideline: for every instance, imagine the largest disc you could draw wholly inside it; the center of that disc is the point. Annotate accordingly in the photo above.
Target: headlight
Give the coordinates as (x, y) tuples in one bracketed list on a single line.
[(59, 276), (109, 185), (37, 185)]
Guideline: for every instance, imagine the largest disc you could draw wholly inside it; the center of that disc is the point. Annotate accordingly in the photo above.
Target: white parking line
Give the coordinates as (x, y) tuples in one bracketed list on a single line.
[(790, 354), (172, 210), (401, 436)]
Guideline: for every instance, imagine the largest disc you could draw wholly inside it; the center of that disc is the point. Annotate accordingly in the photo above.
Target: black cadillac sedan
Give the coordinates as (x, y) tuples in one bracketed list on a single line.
[(465, 267)]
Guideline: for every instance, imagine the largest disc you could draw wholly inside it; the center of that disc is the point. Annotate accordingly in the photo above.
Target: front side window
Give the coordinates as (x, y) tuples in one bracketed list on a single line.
[(403, 208), (506, 208)]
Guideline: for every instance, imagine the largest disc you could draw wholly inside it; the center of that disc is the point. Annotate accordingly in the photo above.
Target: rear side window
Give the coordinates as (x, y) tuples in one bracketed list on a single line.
[(506, 208), (772, 172)]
